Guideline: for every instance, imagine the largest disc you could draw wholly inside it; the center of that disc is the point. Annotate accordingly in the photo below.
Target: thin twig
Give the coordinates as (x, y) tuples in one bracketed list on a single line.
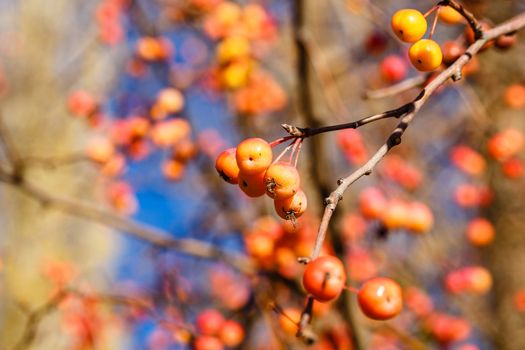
[(395, 89), (29, 332), (308, 132)]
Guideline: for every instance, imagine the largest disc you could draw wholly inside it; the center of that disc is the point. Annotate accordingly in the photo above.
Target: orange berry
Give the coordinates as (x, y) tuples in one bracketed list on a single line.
[(170, 132), (292, 207), (396, 215), (184, 151), (450, 16), (380, 298), (209, 322), (479, 279), (259, 246), (480, 232), (151, 48), (505, 42), (420, 218), (514, 96), (114, 166), (519, 300), (226, 166), (506, 144), (470, 37), (451, 52), (81, 103), (418, 301), (372, 202), (363, 264), (252, 185), (468, 160), (253, 155), (513, 168), (447, 329), (122, 198), (425, 55), (282, 180), (232, 48), (231, 333), (286, 262), (206, 342), (100, 150), (236, 74), (268, 226), (173, 169), (170, 100), (289, 320), (409, 25), (393, 68), (324, 278)]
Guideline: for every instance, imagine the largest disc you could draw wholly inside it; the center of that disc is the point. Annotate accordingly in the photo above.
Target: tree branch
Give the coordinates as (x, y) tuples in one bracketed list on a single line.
[(151, 235), (394, 139), (34, 318)]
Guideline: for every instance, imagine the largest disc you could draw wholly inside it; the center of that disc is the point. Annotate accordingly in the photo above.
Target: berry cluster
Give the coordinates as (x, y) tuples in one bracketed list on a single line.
[(276, 246), (250, 166), (395, 214), (215, 332), (244, 34), (426, 55), (470, 279), (410, 26)]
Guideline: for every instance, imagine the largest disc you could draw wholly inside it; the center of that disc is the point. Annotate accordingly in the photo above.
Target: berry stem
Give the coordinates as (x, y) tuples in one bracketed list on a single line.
[(280, 140), (283, 153), (434, 23), (296, 143), (351, 289), (298, 151), (279, 310), (434, 8)]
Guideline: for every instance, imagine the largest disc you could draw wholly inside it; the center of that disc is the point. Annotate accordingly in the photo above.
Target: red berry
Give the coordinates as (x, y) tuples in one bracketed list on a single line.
[(324, 278), (380, 298)]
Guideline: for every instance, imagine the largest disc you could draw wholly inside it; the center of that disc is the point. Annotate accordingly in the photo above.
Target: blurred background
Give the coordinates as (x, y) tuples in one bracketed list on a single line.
[(116, 232)]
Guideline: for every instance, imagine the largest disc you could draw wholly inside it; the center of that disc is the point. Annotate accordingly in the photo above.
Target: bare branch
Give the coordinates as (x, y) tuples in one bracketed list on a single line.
[(33, 320), (394, 139), (8, 144), (151, 235)]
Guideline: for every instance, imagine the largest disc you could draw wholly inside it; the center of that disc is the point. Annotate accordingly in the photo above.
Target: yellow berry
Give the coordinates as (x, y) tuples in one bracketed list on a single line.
[(425, 55), (450, 16), (409, 25)]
